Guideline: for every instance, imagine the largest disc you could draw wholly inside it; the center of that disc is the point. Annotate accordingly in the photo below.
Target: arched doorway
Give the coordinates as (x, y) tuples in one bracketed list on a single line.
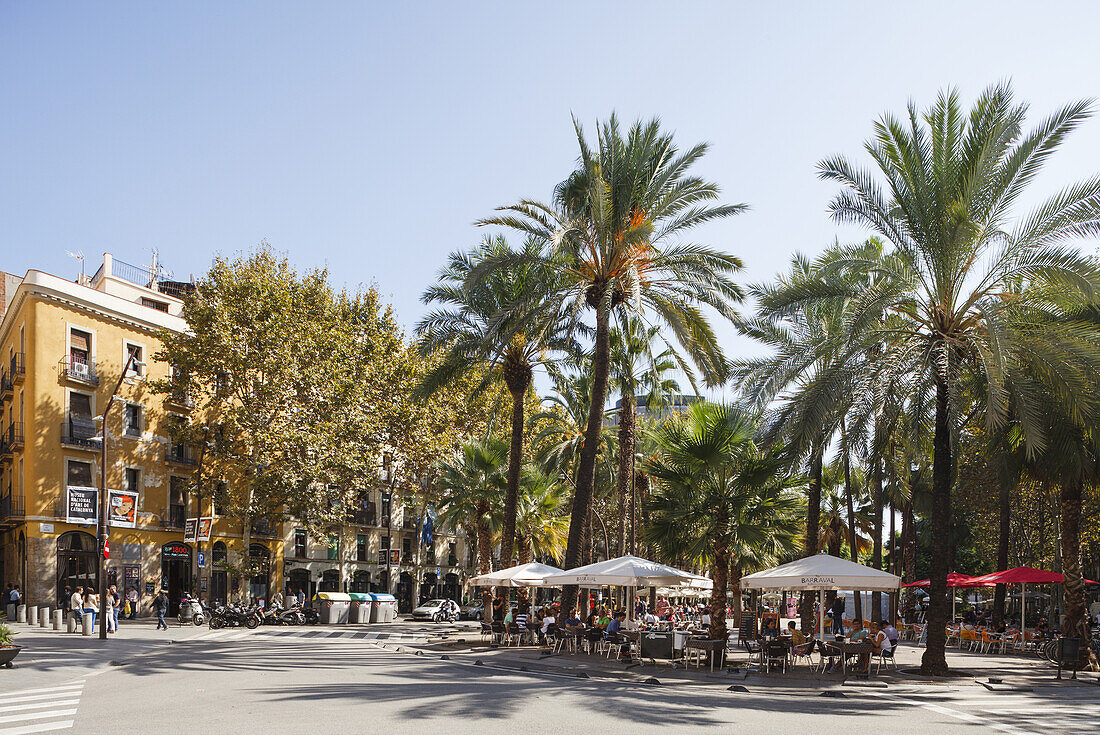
[(361, 581), (175, 561), (77, 562), (330, 581), (259, 587), (452, 590), (404, 592), (428, 589), (219, 578)]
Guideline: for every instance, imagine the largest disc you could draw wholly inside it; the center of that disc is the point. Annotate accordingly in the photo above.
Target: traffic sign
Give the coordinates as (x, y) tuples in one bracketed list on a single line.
[(106, 549), (202, 558)]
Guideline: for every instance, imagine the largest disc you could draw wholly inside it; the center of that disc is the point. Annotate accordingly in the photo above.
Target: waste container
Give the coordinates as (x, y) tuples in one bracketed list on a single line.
[(333, 606), (361, 604), (384, 609)]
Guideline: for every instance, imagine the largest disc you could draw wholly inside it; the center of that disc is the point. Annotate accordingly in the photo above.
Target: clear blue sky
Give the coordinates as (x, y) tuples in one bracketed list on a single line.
[(369, 137)]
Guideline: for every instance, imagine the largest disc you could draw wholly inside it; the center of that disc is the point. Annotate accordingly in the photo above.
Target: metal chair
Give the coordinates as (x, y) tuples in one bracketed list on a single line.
[(775, 653), (883, 656), (805, 651)]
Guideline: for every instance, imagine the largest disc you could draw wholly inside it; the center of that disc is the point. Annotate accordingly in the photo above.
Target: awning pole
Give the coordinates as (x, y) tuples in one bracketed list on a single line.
[(1023, 609), (821, 616)]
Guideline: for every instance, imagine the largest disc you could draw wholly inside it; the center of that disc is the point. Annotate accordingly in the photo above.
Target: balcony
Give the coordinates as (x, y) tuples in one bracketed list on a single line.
[(77, 371), (179, 399), (173, 518), (7, 390), (11, 511), (262, 527), (17, 369), (180, 454), (13, 437), (362, 518), (80, 433)]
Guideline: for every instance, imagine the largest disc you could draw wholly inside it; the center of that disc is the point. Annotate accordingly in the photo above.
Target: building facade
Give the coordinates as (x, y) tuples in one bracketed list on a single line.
[(63, 346)]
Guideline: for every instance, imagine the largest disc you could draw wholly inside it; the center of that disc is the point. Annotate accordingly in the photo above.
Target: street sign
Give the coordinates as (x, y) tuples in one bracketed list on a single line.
[(202, 559), (106, 549)]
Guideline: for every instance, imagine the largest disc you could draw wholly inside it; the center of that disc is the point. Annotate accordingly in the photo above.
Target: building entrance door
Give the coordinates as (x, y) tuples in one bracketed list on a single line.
[(77, 562), (219, 587), (176, 573)]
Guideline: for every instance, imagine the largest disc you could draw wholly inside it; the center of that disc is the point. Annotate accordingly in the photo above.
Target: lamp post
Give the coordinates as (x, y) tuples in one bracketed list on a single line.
[(103, 532)]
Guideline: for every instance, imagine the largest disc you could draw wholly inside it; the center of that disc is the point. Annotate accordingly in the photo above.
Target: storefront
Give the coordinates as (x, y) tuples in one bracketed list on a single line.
[(360, 581), (175, 572), (77, 562), (259, 587)]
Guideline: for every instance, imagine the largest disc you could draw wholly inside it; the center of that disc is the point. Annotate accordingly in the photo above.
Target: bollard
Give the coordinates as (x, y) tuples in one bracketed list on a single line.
[(32, 616), (44, 616), (21, 614), (57, 616), (70, 623), (11, 612), (86, 624)]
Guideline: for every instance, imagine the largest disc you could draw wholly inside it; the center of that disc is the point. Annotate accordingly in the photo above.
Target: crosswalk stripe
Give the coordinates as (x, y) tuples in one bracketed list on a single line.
[(32, 697), (238, 637), (43, 727), (43, 691), (37, 715), (53, 703)]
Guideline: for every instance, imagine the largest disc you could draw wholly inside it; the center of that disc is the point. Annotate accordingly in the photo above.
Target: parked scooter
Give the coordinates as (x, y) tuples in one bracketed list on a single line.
[(191, 610), (231, 616), (279, 616)]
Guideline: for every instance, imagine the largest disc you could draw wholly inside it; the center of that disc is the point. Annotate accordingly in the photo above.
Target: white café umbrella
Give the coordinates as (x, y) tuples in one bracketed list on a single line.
[(822, 572), (524, 575), (625, 571)]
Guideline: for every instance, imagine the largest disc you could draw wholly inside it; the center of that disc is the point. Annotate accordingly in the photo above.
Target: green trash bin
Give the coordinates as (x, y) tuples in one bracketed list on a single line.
[(361, 603), (334, 607)]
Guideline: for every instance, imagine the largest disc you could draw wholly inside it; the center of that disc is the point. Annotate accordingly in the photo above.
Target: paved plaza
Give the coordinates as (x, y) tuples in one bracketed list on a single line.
[(411, 677)]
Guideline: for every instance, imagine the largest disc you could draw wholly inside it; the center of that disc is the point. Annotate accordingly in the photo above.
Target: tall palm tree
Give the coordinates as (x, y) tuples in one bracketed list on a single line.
[(494, 321), (721, 497), (614, 235), (951, 180), (471, 489), (636, 370), (541, 529)]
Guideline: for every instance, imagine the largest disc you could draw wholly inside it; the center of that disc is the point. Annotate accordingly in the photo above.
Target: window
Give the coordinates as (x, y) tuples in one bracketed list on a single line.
[(135, 352), (131, 481), (430, 554), (133, 419), (406, 546), (80, 347), (333, 546), (177, 501), (385, 543), (300, 543), (452, 554), (154, 304), (220, 492), (219, 555), (361, 547), (81, 424), (385, 510), (78, 474)]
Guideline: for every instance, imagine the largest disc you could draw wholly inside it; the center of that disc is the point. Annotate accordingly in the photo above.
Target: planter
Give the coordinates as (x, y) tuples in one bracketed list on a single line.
[(7, 653)]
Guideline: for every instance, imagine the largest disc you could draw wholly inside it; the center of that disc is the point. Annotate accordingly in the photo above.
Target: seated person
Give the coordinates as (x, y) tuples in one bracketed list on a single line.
[(615, 624), (880, 640), (859, 633), (509, 617), (548, 619), (649, 619), (891, 633), (603, 621), (573, 623)]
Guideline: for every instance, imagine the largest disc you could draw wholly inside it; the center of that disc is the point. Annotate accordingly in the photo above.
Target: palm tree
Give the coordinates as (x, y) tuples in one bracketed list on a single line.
[(541, 529), (721, 497), (947, 209), (613, 234), (471, 490), (635, 370), (474, 331)]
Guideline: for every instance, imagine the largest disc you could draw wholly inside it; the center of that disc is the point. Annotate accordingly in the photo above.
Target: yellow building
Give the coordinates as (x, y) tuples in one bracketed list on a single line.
[(63, 345)]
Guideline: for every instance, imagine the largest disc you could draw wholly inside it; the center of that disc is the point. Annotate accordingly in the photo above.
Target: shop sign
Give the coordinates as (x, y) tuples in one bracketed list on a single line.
[(45, 528), (81, 504), (122, 508), (175, 551), (150, 588)]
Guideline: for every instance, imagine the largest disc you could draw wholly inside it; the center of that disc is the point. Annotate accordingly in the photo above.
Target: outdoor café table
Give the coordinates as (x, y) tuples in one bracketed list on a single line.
[(844, 649), (711, 646)]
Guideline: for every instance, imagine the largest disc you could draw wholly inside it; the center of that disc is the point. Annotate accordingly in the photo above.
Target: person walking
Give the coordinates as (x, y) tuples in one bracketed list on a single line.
[(132, 601), (76, 604), (837, 612), (110, 609), (160, 604)]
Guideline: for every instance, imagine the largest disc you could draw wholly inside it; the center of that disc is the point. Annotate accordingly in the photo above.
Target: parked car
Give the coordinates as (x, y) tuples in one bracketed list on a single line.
[(472, 612), (437, 611)]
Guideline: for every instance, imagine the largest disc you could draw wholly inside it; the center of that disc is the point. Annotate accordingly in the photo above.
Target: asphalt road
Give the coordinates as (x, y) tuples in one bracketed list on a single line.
[(280, 681)]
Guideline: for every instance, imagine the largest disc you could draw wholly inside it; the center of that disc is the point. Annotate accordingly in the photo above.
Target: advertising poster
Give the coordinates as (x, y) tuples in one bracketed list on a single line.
[(190, 527), (81, 504), (122, 508), (204, 528)]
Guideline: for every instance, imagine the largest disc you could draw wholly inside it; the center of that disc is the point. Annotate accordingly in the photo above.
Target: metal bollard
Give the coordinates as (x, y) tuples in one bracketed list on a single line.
[(21, 614), (70, 623), (44, 616), (32, 616), (86, 624), (57, 616)]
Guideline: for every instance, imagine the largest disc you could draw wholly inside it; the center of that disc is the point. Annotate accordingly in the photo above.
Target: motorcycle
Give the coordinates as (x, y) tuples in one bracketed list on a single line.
[(191, 610), (279, 616), (311, 616), (231, 616)]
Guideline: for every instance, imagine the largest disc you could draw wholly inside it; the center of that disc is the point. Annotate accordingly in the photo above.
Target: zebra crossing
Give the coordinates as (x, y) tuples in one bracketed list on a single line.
[(236, 634), (43, 709)]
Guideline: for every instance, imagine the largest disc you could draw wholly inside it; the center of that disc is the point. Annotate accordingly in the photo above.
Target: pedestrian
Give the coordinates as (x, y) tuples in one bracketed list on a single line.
[(160, 604), (63, 601), (76, 604), (111, 605), (15, 596), (132, 601), (301, 597), (7, 597), (91, 605), (837, 612)]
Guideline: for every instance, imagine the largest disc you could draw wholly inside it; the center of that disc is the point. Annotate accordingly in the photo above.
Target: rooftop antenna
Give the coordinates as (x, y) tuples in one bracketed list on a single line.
[(79, 255), (156, 270)]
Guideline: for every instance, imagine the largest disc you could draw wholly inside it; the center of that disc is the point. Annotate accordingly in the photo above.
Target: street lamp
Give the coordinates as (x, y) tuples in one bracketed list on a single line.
[(103, 532)]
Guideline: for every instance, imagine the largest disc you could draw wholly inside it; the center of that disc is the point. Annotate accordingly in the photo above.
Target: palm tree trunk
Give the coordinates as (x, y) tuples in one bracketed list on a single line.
[(735, 589), (518, 389), (853, 549), (641, 487), (876, 553), (626, 464), (1076, 624), (1004, 494), (813, 533), (934, 661), (908, 559), (893, 551), (586, 472), (484, 558), (720, 571)]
